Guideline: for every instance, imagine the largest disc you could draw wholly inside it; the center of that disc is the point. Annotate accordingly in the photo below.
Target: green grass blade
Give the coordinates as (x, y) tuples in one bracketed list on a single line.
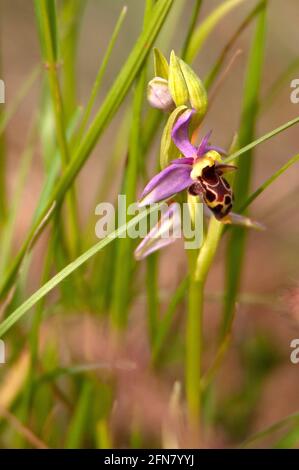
[(80, 418), (27, 84), (165, 323), (53, 171), (290, 439), (124, 257), (69, 269), (70, 16), (7, 233), (8, 280), (271, 429), (204, 29), (269, 181), (236, 244), (46, 15), (98, 81), (230, 44), (152, 289), (108, 109), (192, 26), (245, 151)]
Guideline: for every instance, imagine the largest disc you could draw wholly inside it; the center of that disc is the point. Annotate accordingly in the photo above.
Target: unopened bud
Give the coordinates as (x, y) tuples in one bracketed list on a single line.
[(160, 64), (177, 84), (196, 90), (159, 96)]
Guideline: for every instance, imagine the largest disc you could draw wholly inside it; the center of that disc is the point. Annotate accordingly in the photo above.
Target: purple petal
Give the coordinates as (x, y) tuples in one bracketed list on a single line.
[(165, 232), (183, 161), (218, 149), (204, 146), (150, 245), (202, 149), (168, 182), (180, 134)]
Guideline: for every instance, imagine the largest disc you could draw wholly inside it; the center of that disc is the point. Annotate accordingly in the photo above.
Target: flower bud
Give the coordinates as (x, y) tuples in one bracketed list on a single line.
[(160, 64), (176, 82), (158, 94), (196, 90), (186, 88)]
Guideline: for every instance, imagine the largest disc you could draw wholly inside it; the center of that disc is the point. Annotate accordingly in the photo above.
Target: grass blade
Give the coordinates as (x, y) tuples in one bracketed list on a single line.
[(80, 417), (271, 429), (217, 66), (165, 323), (69, 269), (46, 15), (124, 256), (269, 181), (204, 29), (236, 245), (98, 81), (109, 107)]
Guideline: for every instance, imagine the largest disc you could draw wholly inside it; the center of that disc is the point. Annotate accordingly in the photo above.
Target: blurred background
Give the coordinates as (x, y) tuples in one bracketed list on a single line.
[(256, 384)]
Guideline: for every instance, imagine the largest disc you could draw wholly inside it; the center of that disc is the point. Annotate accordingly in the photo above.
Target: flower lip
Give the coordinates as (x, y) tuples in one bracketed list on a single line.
[(205, 147)]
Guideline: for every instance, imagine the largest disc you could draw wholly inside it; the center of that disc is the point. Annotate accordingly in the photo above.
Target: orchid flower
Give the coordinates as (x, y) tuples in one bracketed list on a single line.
[(200, 171)]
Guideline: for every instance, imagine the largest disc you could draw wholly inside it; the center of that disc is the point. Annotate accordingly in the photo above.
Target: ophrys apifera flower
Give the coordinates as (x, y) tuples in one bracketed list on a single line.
[(200, 171)]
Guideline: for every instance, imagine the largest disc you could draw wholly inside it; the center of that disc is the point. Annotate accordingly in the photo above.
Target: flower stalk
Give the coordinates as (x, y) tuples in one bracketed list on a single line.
[(199, 266)]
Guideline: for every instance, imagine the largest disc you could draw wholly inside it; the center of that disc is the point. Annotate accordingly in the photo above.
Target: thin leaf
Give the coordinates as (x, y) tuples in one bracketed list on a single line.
[(235, 250), (98, 81), (108, 109), (269, 181), (204, 29), (17, 314)]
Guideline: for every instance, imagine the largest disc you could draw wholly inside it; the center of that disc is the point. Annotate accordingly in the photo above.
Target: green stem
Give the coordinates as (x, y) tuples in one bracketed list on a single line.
[(237, 240), (72, 12), (191, 28), (110, 105), (70, 268), (194, 346), (199, 267), (55, 92), (124, 255), (98, 81)]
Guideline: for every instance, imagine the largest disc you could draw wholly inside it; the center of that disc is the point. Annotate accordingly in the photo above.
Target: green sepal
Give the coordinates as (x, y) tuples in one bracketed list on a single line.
[(168, 151), (160, 64), (197, 93), (176, 82)]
